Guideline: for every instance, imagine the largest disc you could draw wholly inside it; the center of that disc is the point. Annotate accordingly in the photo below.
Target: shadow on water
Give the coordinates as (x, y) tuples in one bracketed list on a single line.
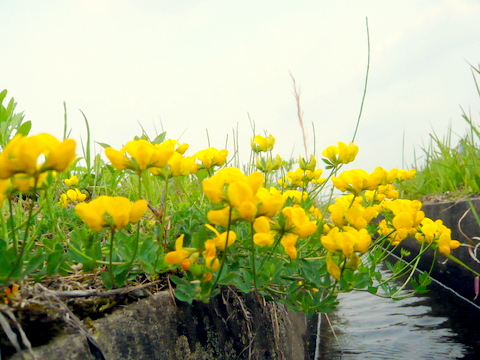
[(436, 325)]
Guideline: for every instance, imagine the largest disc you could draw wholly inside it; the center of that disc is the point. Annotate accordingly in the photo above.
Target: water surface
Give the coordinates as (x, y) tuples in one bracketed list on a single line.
[(437, 325)]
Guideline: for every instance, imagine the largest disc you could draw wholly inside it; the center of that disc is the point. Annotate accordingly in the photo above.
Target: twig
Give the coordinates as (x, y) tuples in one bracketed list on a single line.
[(333, 332), (10, 334), (107, 293), (70, 318)]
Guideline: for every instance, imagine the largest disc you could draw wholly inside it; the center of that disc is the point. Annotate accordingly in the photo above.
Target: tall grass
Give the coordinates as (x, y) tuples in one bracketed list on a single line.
[(449, 166)]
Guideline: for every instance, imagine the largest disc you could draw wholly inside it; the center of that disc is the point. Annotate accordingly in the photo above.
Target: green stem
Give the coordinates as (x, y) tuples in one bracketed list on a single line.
[(110, 261), (414, 266), (252, 260), (4, 224), (458, 261), (137, 237), (161, 236), (224, 254), (78, 252), (275, 244), (25, 239), (12, 225)]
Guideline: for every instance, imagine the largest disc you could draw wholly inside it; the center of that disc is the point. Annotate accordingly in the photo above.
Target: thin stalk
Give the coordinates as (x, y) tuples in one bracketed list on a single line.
[(110, 260), (161, 219), (366, 83), (137, 235), (224, 254), (4, 225), (78, 252), (252, 259), (12, 225), (408, 278), (275, 244), (25, 239), (458, 261)]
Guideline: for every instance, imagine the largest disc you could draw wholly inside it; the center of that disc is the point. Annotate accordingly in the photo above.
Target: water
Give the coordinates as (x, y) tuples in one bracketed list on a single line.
[(437, 325)]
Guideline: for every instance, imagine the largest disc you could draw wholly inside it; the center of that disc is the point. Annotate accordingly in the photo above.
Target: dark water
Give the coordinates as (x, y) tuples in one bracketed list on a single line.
[(437, 325)]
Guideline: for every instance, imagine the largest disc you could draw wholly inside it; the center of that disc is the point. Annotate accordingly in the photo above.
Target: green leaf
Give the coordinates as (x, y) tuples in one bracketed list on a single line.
[(35, 262), (227, 279), (25, 128), (362, 281), (160, 138), (103, 145), (180, 295)]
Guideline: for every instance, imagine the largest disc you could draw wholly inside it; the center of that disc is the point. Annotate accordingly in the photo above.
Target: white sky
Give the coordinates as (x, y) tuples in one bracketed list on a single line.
[(189, 66)]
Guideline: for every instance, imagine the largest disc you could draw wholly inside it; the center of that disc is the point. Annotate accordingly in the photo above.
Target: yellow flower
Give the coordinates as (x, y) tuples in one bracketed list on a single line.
[(403, 223), (235, 188), (120, 212), (179, 255), (213, 187), (357, 180), (22, 153), (180, 165), (212, 157), (220, 217), (242, 199), (63, 200), (445, 243), (288, 242), (76, 195), (61, 156), (349, 211), (221, 239), (263, 235), (301, 177), (260, 143), (435, 232), (270, 204), (180, 148), (347, 241), (142, 155), (73, 181), (24, 182), (210, 255), (341, 154), (333, 268), (298, 222)]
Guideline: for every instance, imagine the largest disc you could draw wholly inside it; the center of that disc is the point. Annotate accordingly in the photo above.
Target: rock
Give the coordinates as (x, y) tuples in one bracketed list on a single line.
[(230, 326)]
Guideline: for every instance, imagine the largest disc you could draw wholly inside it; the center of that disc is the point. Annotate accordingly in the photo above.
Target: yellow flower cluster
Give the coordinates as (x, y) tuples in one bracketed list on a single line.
[(211, 157), (262, 144), (341, 154), (140, 155), (304, 175), (72, 195), (26, 162), (348, 210), (165, 160), (188, 258), (72, 181), (246, 199), (279, 216), (409, 221), (114, 212), (435, 232)]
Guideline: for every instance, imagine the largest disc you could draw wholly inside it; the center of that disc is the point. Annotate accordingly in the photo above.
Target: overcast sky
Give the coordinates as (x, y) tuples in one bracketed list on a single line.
[(193, 66)]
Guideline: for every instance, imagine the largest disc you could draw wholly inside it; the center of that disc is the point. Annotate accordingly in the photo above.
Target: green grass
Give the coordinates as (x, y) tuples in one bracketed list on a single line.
[(449, 166)]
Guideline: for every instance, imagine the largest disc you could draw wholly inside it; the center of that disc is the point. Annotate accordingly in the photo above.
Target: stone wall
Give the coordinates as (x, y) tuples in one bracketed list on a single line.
[(230, 326)]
